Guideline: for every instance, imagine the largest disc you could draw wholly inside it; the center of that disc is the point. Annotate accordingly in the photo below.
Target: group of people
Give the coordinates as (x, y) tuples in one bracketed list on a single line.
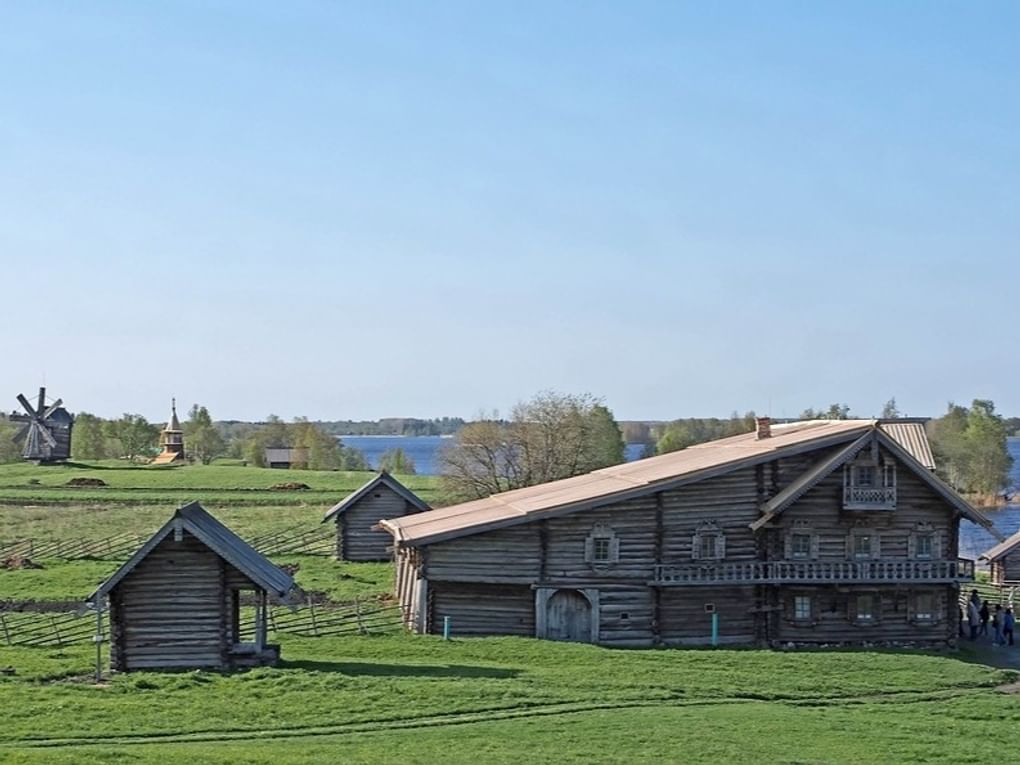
[(979, 614)]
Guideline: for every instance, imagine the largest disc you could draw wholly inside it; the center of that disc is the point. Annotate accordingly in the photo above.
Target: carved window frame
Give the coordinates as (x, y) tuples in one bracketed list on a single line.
[(932, 612), (801, 529), (875, 543), (921, 531), (602, 536), (710, 530), (872, 602)]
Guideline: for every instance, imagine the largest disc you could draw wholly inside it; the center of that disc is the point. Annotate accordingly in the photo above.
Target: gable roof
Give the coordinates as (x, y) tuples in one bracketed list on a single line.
[(621, 482), (383, 479), (904, 456), (633, 479), (194, 519), (1004, 547)]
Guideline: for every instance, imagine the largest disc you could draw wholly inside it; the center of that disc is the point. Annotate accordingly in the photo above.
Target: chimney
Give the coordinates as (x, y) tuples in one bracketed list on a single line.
[(764, 427)]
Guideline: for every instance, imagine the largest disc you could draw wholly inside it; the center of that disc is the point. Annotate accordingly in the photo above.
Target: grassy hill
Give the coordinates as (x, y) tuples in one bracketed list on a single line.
[(505, 700)]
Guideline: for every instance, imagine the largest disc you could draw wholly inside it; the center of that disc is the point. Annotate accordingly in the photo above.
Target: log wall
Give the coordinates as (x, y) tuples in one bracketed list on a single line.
[(356, 540)]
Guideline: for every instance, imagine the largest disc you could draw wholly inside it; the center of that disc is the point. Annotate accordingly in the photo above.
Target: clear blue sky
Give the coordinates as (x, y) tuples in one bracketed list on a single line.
[(356, 210)]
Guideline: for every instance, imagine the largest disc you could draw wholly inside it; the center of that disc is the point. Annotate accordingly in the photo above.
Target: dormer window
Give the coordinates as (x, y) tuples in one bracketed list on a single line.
[(709, 543), (869, 483)]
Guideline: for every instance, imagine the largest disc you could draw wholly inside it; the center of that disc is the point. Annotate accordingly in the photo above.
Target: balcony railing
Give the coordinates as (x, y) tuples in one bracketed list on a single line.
[(821, 572), (869, 497)]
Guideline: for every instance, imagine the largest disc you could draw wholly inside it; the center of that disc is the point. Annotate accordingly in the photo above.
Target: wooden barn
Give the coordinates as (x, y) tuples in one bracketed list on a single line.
[(285, 458), (816, 532), (358, 536), (1004, 561), (177, 602)]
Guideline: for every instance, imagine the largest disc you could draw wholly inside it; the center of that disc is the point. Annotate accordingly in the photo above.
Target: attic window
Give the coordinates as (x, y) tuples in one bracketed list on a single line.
[(602, 547), (709, 543)]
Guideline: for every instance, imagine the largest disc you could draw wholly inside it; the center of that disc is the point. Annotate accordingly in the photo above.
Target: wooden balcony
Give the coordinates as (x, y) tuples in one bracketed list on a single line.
[(869, 497), (817, 572)]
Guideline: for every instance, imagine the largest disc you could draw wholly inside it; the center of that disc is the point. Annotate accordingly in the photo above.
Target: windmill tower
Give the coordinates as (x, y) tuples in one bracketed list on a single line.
[(46, 434), (171, 439)]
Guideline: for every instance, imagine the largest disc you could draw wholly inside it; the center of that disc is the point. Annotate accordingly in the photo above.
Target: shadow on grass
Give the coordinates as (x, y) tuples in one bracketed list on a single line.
[(398, 670)]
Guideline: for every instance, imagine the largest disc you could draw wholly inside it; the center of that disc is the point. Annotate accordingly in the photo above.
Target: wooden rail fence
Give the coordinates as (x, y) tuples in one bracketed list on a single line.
[(45, 630)]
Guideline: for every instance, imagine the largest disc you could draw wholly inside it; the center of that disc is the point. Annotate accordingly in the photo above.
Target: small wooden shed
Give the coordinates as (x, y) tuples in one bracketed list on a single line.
[(1004, 561), (177, 602), (357, 517)]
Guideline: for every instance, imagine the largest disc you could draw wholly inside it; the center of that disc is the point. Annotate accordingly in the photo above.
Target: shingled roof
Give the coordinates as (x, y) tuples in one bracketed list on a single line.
[(194, 519)]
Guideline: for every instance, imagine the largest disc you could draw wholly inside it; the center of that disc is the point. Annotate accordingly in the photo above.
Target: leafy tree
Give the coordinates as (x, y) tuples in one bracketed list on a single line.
[(970, 447), (552, 436), (680, 434), (890, 411), (352, 459), (9, 451), (201, 438), (88, 439), (131, 436), (834, 412), (396, 461)]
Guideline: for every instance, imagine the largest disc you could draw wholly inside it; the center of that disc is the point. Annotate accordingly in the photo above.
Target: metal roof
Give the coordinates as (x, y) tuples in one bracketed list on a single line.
[(621, 482), (912, 436), (1004, 547), (194, 519), (632, 479), (384, 479)]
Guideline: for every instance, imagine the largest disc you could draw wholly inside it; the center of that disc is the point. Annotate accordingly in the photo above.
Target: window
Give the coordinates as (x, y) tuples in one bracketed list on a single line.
[(923, 546), (862, 546), (602, 547), (924, 607), (802, 608), (866, 608), (709, 543), (864, 476), (870, 484), (800, 546)]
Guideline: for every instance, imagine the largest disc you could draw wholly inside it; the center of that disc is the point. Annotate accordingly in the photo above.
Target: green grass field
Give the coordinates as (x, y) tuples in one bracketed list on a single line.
[(415, 699), (504, 700)]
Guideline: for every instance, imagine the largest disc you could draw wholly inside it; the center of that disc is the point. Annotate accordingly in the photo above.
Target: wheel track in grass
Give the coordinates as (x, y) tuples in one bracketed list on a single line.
[(478, 716)]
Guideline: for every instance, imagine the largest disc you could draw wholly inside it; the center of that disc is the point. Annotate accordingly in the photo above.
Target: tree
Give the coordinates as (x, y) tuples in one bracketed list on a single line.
[(890, 410), (396, 461), (680, 434), (549, 437), (834, 412), (201, 438), (9, 451), (131, 436), (970, 447), (88, 441)]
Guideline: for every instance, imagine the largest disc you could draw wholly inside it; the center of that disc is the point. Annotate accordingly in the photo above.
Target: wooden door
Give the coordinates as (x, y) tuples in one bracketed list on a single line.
[(568, 617)]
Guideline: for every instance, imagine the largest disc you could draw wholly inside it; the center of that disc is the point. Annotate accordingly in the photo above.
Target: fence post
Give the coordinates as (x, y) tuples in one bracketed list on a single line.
[(446, 628), (7, 633), (357, 615), (272, 620), (315, 625), (56, 629)]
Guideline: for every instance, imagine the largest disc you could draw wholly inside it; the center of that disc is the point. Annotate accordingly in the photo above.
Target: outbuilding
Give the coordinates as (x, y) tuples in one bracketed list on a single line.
[(358, 537), (177, 602), (1004, 561)]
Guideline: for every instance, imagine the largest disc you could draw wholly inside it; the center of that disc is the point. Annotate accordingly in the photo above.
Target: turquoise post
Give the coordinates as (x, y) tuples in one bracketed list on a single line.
[(446, 628), (715, 628)]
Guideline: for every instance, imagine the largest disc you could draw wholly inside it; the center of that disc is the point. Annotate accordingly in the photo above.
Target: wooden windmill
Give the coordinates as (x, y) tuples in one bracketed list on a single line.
[(46, 435)]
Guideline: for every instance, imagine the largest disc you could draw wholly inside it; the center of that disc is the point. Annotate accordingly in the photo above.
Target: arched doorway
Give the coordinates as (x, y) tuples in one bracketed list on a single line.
[(568, 617)]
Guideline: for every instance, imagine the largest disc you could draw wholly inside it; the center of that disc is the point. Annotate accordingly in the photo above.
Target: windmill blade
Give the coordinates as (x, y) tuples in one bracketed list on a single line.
[(28, 406), (44, 432), (53, 407), (20, 435)]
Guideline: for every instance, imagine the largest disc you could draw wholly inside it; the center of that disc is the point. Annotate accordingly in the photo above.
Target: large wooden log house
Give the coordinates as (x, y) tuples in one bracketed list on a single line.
[(817, 532), (176, 603), (358, 536)]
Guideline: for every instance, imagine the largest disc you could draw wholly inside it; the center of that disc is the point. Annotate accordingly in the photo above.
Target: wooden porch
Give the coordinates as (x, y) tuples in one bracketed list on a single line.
[(835, 572)]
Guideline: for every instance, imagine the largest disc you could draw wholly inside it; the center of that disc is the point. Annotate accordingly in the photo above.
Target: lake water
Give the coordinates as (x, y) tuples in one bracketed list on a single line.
[(424, 450)]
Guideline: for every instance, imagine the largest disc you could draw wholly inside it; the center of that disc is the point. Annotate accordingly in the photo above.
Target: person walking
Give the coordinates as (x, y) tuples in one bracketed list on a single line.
[(997, 625), (1008, 622), (973, 618), (984, 614)]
